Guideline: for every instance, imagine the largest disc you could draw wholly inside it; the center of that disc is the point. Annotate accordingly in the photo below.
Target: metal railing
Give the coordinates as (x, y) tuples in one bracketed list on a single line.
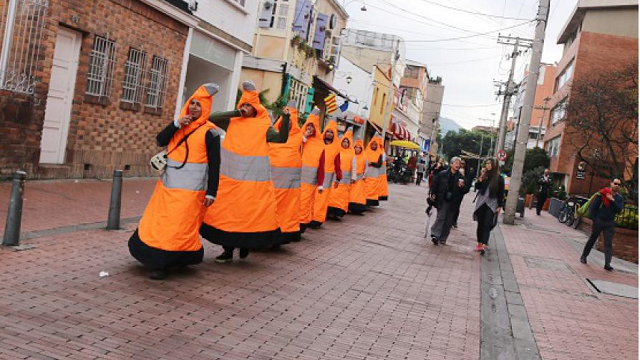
[(21, 25), (157, 83), (102, 59), (134, 71)]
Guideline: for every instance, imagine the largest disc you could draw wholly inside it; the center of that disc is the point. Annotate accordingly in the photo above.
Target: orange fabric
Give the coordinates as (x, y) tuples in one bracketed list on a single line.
[(383, 185), (288, 155), (321, 202), (339, 197), (371, 184), (245, 206), (357, 194), (311, 153), (173, 216)]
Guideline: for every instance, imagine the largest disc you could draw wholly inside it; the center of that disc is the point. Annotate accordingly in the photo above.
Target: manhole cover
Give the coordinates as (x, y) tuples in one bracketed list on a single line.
[(549, 264), (616, 289)]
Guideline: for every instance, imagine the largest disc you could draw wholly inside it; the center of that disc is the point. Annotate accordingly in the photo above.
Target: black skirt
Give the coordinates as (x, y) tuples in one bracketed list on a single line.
[(154, 258), (247, 240), (372, 202), (357, 208), (335, 211)]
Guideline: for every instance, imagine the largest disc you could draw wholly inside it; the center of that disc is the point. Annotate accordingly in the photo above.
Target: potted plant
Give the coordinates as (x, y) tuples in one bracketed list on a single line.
[(296, 40)]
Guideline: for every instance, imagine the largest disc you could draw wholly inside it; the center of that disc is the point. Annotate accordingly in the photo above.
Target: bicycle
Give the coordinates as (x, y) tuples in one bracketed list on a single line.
[(567, 214)]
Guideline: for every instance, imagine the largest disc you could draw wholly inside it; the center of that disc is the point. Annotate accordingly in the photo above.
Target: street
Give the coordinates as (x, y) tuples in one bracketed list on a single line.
[(366, 287)]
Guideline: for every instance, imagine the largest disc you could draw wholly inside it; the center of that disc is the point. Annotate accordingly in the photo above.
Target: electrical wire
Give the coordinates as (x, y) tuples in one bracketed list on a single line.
[(471, 36), (473, 12)]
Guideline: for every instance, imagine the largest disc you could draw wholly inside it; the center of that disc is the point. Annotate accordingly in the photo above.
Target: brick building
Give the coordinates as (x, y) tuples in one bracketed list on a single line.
[(599, 36), (104, 76)]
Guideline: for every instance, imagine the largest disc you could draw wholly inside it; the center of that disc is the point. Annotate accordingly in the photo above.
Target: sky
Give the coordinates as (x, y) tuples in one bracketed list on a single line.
[(468, 66)]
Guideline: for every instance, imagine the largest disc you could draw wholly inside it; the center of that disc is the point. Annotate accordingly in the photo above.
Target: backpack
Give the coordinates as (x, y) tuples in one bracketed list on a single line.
[(584, 209)]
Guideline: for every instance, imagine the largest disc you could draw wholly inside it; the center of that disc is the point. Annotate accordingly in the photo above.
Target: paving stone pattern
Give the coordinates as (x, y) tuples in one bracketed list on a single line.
[(368, 287)]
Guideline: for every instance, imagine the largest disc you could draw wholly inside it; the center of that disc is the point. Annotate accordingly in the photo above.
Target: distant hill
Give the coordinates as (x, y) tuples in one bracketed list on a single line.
[(447, 125)]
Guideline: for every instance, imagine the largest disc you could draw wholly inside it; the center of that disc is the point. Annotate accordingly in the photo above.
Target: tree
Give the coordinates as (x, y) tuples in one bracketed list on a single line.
[(602, 119), (454, 143), (534, 158)]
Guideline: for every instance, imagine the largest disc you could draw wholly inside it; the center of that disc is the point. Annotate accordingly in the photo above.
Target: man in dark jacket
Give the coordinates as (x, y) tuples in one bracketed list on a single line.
[(449, 186), (603, 210), (544, 183)]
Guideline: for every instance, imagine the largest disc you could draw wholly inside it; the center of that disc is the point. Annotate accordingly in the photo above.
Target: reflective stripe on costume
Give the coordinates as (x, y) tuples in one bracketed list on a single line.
[(244, 168), (328, 179), (192, 176), (285, 178), (359, 177), (345, 181), (309, 175)]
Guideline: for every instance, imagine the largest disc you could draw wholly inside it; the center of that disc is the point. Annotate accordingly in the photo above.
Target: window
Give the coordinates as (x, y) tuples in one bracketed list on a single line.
[(133, 74), (279, 14), (375, 96), (101, 62), (298, 92), (564, 76), (553, 146), (411, 72), (558, 112), (157, 83), (384, 101), (239, 2)]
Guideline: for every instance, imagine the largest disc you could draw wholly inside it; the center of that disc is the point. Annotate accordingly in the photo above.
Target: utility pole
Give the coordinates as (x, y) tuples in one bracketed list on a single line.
[(527, 108), (544, 108), (510, 86), (387, 111)]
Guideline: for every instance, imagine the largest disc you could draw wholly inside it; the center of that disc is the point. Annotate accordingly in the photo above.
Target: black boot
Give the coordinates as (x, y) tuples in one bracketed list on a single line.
[(158, 274), (225, 257)]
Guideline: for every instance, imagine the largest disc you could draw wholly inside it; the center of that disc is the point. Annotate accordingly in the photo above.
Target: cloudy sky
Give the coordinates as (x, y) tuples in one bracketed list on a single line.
[(469, 65)]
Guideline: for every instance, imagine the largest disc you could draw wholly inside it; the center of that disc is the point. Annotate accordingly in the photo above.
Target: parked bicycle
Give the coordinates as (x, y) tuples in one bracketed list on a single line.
[(567, 214)]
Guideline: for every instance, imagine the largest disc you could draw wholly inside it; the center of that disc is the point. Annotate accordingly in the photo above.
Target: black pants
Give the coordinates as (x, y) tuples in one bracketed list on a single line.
[(541, 199), (607, 228), (485, 219), (419, 176), (456, 215)]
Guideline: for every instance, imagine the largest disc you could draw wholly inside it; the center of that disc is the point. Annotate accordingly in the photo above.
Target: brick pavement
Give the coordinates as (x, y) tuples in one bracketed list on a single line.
[(60, 203), (368, 287), (569, 319)]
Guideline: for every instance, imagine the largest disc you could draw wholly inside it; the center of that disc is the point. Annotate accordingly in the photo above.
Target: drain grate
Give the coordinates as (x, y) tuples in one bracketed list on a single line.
[(615, 289)]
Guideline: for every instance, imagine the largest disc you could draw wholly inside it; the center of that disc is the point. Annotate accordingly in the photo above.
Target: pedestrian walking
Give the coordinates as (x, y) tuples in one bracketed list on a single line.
[(339, 197), (358, 195), (313, 160), (464, 175), (373, 171), (421, 167), (332, 174), (489, 202), (544, 184), (286, 170), (167, 235), (244, 214), (449, 186), (603, 211)]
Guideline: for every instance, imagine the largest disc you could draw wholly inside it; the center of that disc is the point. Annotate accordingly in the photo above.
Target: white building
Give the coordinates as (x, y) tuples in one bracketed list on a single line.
[(216, 48)]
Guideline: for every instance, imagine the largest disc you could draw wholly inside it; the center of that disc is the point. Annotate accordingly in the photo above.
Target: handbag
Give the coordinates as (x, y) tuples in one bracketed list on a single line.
[(158, 161)]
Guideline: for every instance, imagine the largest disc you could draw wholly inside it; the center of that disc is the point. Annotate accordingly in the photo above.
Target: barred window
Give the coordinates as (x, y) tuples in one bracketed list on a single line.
[(157, 83), (133, 74), (101, 61)]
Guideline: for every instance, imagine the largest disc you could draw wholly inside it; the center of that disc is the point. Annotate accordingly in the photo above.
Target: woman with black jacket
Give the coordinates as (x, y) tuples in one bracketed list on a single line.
[(489, 202)]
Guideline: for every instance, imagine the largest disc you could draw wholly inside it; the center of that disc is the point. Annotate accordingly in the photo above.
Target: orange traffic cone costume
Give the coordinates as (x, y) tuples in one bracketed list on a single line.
[(384, 185), (332, 173), (168, 231), (312, 169), (372, 173), (244, 213), (358, 195), (339, 197), (286, 170)]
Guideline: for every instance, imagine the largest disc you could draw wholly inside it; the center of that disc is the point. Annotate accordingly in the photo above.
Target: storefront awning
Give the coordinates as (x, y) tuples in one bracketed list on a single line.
[(319, 82), (400, 132)]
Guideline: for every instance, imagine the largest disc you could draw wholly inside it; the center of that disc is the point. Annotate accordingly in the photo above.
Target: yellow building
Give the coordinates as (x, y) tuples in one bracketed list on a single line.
[(296, 48), (379, 103)]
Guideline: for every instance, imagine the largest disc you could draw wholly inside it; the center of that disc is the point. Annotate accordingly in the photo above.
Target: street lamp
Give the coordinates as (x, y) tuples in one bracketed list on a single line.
[(363, 8)]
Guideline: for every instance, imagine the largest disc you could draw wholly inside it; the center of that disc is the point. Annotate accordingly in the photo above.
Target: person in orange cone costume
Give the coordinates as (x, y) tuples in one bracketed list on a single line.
[(383, 184), (339, 197), (244, 214), (358, 195), (286, 169), (313, 160), (167, 235), (372, 173), (332, 174)]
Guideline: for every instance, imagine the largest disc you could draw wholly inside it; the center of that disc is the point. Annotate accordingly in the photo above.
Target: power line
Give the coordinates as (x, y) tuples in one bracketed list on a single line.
[(471, 36), (473, 12)]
